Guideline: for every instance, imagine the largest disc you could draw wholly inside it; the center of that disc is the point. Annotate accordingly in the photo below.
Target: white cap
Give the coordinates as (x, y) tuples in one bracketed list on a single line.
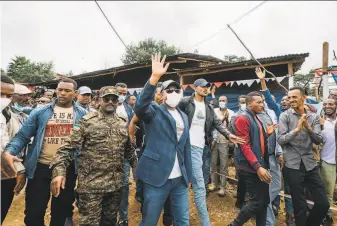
[(21, 89), (84, 90)]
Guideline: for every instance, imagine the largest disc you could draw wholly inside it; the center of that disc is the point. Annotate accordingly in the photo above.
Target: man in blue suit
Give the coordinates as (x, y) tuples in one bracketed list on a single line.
[(165, 166)]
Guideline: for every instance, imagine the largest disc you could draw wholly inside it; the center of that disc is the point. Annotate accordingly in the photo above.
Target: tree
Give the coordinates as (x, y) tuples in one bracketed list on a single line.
[(305, 81), (142, 52), (70, 73), (22, 69), (2, 72), (234, 58)]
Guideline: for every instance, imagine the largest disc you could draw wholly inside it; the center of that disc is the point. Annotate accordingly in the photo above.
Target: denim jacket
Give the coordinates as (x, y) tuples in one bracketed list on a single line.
[(35, 126)]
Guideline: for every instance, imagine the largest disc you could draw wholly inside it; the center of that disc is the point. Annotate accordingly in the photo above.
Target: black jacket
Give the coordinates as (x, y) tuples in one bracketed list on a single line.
[(212, 122)]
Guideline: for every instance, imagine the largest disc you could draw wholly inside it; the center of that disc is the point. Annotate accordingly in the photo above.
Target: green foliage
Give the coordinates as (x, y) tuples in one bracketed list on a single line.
[(70, 73), (141, 53), (234, 58), (22, 69), (305, 81)]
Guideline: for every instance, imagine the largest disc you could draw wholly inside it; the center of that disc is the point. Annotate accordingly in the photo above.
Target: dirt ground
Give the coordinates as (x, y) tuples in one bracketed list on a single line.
[(221, 210)]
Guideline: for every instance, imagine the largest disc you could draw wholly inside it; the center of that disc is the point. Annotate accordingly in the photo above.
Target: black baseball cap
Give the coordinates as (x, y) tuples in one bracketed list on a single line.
[(169, 83), (201, 82)]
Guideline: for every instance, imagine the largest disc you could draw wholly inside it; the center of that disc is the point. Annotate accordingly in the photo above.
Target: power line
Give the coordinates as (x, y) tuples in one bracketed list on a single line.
[(235, 21), (111, 25)]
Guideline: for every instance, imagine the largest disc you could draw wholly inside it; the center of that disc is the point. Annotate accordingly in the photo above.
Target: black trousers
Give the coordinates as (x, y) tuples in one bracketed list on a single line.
[(7, 194), (258, 200), (38, 195), (299, 180), (240, 190)]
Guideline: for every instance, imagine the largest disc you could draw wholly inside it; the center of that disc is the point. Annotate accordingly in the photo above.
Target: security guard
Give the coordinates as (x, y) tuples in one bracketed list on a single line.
[(103, 140)]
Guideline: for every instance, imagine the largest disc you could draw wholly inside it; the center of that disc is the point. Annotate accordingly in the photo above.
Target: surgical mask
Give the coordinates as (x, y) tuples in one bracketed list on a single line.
[(121, 99), (39, 105), (4, 102), (18, 107), (243, 107), (222, 105), (173, 99)]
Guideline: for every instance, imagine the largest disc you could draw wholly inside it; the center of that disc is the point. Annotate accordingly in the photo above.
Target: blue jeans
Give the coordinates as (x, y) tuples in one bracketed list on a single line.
[(123, 207), (155, 198), (206, 167), (274, 188), (199, 186)]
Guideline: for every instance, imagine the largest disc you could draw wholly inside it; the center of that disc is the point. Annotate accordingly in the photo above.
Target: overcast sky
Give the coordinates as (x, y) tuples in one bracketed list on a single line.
[(76, 36)]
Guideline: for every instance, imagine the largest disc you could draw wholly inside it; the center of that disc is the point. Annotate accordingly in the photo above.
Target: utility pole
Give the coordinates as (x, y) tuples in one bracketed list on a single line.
[(325, 69)]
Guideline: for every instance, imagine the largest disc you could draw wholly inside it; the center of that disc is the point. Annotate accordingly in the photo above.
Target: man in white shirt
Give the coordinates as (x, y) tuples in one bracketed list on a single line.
[(220, 148), (328, 153)]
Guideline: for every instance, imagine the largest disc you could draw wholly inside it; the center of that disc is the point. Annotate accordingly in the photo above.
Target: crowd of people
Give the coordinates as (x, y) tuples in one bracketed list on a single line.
[(81, 146)]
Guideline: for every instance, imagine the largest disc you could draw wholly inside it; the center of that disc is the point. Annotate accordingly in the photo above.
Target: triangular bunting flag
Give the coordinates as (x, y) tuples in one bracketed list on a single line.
[(184, 86), (280, 79), (232, 83), (192, 86), (217, 84), (250, 82), (227, 83)]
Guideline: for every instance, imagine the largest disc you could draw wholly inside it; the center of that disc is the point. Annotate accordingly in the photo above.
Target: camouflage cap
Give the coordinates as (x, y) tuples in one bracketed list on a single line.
[(108, 90)]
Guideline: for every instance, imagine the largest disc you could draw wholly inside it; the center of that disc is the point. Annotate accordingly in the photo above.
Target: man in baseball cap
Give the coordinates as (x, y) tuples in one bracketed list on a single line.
[(109, 96), (20, 98), (84, 98), (202, 83)]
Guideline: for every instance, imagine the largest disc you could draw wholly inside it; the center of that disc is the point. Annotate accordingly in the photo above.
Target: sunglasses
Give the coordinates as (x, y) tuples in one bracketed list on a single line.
[(173, 90), (42, 101), (113, 99)]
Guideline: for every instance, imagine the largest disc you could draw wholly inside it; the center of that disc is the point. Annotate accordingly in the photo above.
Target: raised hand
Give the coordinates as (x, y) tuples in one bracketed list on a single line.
[(259, 73), (158, 68)]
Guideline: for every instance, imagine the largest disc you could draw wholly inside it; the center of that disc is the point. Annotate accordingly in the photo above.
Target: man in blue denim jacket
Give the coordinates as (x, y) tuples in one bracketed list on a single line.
[(49, 125)]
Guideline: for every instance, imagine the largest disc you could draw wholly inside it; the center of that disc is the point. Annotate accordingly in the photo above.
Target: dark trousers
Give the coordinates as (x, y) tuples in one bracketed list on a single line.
[(258, 200), (7, 194), (240, 190), (299, 180), (38, 195)]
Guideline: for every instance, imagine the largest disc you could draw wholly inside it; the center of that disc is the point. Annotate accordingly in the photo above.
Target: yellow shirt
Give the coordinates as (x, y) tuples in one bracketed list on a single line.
[(57, 130)]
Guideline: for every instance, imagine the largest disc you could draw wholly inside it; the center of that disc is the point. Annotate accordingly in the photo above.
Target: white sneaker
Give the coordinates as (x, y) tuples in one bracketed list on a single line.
[(222, 192), (212, 187)]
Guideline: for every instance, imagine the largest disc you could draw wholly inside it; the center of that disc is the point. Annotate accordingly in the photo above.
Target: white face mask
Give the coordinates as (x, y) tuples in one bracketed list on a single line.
[(121, 99), (4, 102), (222, 105), (243, 107), (173, 99)]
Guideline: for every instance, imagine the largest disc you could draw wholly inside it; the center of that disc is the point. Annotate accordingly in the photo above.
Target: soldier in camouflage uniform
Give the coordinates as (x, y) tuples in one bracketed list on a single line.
[(103, 140)]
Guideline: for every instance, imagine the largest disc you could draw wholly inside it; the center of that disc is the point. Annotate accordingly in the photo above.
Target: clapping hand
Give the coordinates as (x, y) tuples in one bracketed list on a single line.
[(271, 129)]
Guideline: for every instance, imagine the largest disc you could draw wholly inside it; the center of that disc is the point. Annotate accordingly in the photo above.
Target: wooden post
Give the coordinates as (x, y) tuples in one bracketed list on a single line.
[(181, 79), (291, 75), (325, 69)]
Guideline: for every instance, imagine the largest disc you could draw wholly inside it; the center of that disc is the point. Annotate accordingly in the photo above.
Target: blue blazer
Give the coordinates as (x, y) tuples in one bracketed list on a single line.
[(157, 161)]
